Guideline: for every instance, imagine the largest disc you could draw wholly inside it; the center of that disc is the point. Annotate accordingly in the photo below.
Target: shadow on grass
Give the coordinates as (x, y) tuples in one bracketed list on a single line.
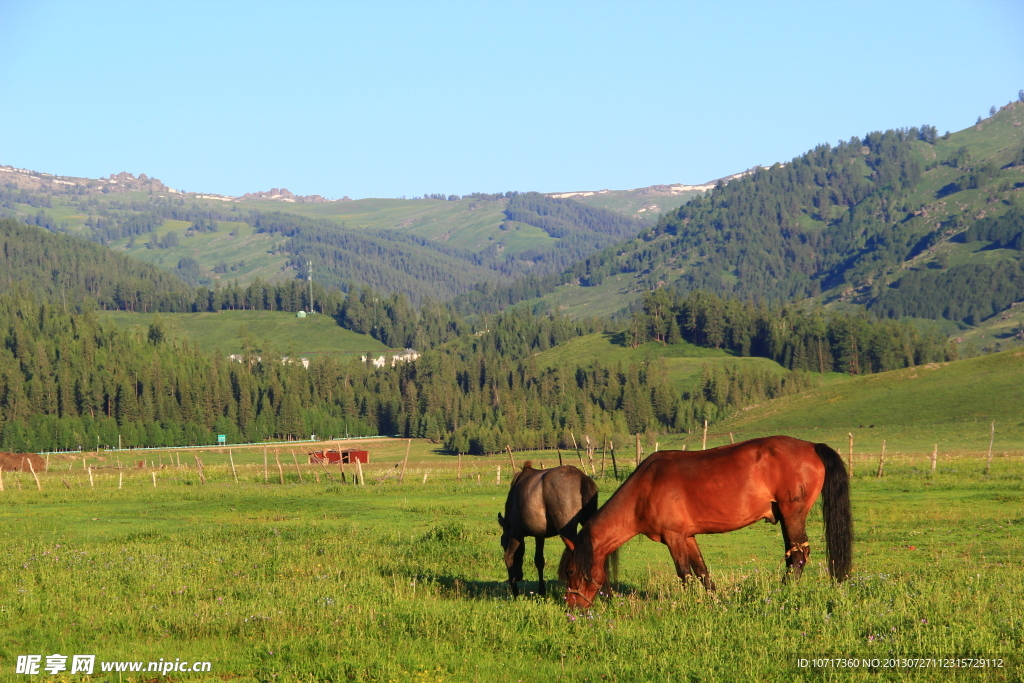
[(459, 588)]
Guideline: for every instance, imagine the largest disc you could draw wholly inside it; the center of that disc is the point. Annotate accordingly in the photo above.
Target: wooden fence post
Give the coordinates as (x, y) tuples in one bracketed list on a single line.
[(991, 440), (615, 467), (153, 474), (935, 456), (577, 448), (233, 472), (704, 443), (39, 487), (199, 468), (326, 471), (513, 461), (604, 444), (91, 485), (359, 470), (280, 470), (637, 463), (731, 440), (120, 478), (266, 473), (881, 461), (497, 477), (425, 476), (849, 457), (405, 461), (559, 455), (341, 466), (296, 461), (458, 471), (1, 479)]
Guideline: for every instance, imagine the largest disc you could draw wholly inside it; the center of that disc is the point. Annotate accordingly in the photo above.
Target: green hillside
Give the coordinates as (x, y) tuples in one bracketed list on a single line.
[(914, 408), (884, 222), (424, 247), (235, 252), (284, 332), (683, 363), (75, 272)]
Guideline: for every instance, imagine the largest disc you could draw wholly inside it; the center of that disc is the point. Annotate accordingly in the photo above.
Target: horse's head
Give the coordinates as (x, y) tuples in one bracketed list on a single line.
[(575, 570)]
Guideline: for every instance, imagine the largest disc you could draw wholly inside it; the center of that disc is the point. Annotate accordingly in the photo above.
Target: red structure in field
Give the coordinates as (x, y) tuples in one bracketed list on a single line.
[(345, 455)]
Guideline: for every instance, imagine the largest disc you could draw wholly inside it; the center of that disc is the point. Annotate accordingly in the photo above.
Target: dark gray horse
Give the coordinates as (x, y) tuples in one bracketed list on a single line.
[(542, 504)]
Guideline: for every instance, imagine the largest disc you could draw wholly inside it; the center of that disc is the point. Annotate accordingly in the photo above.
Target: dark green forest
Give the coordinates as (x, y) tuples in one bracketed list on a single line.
[(796, 338), (789, 231), (69, 382)]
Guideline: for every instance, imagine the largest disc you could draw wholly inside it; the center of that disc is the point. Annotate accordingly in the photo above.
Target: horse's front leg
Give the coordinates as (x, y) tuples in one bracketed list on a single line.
[(514, 563), (538, 560)]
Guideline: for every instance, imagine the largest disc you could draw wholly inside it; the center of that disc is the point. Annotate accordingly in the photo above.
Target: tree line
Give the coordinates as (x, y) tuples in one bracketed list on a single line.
[(796, 338), (67, 381)]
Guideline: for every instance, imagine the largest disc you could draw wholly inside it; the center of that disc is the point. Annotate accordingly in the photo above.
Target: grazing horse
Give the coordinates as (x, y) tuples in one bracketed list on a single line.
[(542, 504), (674, 495)]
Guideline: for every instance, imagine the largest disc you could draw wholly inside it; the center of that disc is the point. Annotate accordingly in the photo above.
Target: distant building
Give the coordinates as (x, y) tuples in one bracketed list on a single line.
[(407, 356)]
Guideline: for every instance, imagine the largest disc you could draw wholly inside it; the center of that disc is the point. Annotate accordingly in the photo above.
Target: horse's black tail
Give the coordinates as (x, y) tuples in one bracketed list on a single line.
[(835, 505)]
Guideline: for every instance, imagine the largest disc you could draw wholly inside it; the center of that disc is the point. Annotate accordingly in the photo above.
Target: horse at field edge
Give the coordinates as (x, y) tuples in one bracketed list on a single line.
[(674, 495), (542, 504)]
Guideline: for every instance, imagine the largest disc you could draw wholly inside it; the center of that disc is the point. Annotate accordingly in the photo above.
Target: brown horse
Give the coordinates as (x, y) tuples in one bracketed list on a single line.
[(674, 495), (542, 504)]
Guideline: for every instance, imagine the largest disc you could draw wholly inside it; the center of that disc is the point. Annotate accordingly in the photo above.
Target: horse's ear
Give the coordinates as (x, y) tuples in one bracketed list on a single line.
[(569, 544), (501, 521)]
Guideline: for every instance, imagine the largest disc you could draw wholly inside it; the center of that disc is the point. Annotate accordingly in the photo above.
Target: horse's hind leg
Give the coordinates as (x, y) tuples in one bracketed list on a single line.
[(538, 560), (697, 563), (794, 538), (678, 546)]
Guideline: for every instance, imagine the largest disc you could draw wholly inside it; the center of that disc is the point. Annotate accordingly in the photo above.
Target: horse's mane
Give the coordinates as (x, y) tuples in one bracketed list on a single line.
[(583, 556)]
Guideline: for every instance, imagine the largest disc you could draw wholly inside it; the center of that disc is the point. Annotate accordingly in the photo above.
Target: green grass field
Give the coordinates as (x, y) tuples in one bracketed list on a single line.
[(323, 581), (315, 334)]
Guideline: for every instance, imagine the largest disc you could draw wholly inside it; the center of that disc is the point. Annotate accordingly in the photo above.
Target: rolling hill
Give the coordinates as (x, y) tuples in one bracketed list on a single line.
[(433, 246), (887, 223), (912, 408)]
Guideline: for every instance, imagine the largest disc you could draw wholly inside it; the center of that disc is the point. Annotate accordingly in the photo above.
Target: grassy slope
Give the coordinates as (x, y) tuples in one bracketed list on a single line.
[(684, 362), (468, 223), (911, 408), (321, 581), (309, 336), (250, 253)]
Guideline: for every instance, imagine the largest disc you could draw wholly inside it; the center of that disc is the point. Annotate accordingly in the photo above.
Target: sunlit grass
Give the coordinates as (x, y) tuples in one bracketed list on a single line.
[(331, 581)]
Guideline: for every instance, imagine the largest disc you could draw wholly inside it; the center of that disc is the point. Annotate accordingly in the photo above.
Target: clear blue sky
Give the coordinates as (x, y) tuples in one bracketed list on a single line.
[(387, 99)]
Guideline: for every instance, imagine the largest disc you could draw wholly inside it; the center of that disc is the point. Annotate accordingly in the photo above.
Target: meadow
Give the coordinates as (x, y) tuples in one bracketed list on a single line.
[(320, 580), (222, 331)]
